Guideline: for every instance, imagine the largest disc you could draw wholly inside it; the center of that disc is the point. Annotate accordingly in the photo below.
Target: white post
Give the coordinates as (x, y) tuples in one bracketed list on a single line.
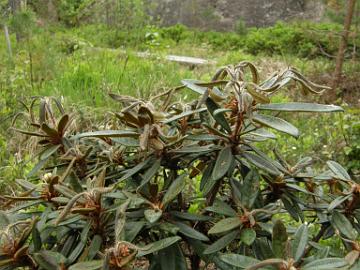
[(8, 42)]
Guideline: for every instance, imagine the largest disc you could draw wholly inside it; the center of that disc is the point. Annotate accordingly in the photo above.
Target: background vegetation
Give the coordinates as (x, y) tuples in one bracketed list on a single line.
[(80, 61)]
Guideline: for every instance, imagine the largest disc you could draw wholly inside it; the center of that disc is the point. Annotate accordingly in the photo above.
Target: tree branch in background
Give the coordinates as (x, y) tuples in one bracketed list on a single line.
[(343, 45)]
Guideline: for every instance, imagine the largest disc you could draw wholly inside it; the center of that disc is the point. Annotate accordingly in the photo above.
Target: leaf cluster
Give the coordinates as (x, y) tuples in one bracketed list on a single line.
[(171, 185)]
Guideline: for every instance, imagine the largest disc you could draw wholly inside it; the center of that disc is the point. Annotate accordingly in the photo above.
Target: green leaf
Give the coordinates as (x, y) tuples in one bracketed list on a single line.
[(175, 188), (341, 223), (107, 134), (182, 115), (49, 131), (221, 208), (191, 84), (190, 232), (339, 200), (4, 220), (172, 258), (130, 172), (223, 163), (90, 265), (132, 229), (325, 264), (189, 216), (225, 225), (152, 215), (299, 107), (338, 170), (258, 96), (62, 124), (36, 239), (250, 189), (238, 260), (38, 167), (29, 133), (149, 174), (199, 248), (158, 245), (248, 236), (49, 151), (49, 260), (94, 247), (222, 242), (276, 123), (300, 241), (120, 220), (219, 117), (261, 163), (279, 240), (202, 137)]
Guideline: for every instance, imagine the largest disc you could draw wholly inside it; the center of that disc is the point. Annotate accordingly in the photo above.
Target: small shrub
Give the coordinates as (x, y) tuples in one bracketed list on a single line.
[(240, 27), (172, 185), (175, 32)]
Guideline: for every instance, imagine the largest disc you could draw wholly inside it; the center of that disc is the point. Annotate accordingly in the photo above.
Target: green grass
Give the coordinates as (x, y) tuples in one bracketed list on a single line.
[(79, 66)]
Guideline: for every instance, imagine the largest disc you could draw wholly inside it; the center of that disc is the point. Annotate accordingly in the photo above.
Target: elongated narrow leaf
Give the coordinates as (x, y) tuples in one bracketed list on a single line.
[(219, 117), (134, 170), (190, 232), (199, 248), (50, 260), (49, 151), (279, 240), (192, 84), (62, 124), (172, 257), (182, 115), (341, 223), (299, 107), (36, 239), (261, 163), (325, 264), (132, 229), (339, 200), (238, 260), (107, 134), (221, 208), (175, 188), (300, 242), (222, 242), (148, 175), (158, 245), (225, 225), (189, 216), (38, 167), (90, 265), (338, 170), (223, 163), (94, 247), (30, 133), (276, 123), (120, 220), (4, 220)]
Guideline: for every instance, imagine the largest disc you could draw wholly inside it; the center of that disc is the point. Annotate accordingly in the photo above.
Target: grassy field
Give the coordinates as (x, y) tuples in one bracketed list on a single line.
[(80, 67)]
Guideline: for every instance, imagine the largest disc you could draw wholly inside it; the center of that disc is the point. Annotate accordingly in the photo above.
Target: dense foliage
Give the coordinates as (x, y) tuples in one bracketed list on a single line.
[(168, 185)]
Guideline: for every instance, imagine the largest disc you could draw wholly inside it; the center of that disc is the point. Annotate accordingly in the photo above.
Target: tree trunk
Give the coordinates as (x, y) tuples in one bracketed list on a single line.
[(8, 42), (343, 45), (15, 5)]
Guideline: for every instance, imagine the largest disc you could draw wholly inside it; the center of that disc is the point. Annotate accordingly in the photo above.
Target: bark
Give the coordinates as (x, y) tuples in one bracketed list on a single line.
[(343, 44)]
